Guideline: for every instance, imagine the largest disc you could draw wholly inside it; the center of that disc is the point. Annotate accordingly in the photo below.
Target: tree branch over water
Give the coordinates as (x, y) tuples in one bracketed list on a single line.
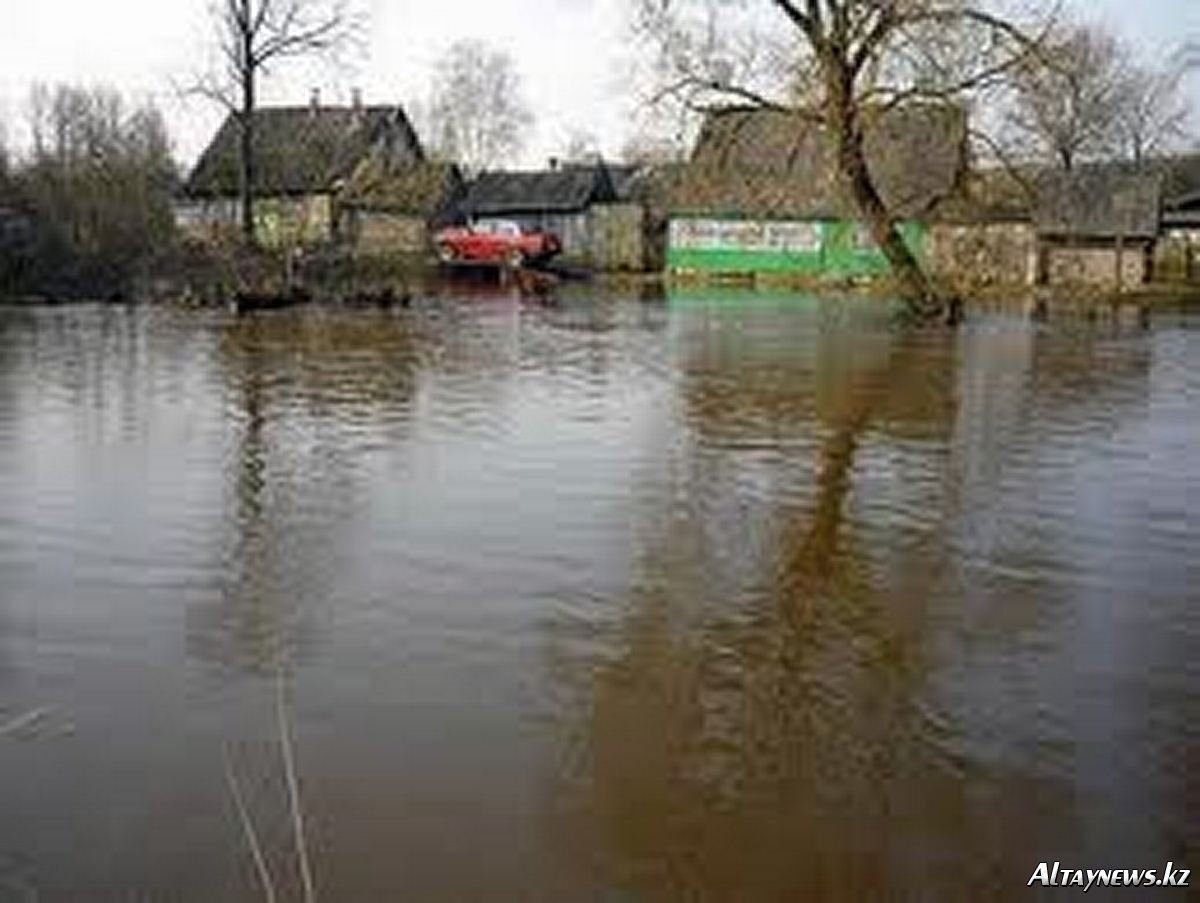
[(843, 63)]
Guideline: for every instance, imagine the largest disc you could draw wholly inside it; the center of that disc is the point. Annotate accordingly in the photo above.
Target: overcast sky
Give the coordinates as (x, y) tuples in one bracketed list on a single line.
[(572, 54)]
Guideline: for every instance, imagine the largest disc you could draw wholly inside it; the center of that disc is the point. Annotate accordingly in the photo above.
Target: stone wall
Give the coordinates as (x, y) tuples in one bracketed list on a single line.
[(1012, 254), (984, 254), (1098, 266)]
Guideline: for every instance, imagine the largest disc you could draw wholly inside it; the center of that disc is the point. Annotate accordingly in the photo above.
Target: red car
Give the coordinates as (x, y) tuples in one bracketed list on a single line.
[(497, 241)]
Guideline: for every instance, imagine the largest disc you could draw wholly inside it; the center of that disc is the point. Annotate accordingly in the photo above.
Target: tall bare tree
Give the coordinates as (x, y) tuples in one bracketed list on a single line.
[(478, 110), (1154, 111), (837, 64), (251, 36), (1066, 106)]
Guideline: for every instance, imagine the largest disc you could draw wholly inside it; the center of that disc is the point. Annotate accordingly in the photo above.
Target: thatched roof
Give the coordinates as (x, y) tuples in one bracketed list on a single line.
[(1103, 201), (994, 195), (416, 189), (769, 163), (303, 150), (566, 190)]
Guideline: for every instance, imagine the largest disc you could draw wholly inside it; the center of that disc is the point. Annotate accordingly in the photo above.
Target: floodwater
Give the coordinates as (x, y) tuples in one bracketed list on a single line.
[(719, 597)]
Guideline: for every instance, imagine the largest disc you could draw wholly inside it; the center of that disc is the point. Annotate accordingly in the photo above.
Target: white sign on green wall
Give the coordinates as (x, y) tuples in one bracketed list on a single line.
[(785, 236)]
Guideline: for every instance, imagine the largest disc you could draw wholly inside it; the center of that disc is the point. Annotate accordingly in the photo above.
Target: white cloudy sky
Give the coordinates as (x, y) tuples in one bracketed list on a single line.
[(572, 54)]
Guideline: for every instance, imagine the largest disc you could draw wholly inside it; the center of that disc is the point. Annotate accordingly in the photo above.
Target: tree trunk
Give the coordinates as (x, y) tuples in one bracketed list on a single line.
[(914, 286), (247, 168)]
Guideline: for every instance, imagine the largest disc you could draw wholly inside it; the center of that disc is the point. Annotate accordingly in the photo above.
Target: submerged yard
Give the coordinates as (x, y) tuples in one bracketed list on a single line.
[(728, 596)]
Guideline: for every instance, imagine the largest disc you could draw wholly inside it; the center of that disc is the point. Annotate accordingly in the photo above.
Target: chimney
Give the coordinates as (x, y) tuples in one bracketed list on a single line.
[(314, 101), (553, 163), (356, 98)]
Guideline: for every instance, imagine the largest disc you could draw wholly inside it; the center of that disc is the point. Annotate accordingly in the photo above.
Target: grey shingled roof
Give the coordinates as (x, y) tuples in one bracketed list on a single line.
[(1103, 201), (566, 190), (302, 150)]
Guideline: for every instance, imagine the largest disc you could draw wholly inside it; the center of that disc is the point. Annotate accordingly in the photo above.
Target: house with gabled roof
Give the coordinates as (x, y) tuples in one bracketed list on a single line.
[(303, 157), (1097, 225), (558, 199), (761, 193)]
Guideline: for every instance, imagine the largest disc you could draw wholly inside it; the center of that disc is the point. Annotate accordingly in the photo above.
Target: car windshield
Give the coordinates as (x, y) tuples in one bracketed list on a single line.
[(498, 227)]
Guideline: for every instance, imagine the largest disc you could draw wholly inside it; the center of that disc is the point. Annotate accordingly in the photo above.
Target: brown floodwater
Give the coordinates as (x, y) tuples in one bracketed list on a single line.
[(721, 597)]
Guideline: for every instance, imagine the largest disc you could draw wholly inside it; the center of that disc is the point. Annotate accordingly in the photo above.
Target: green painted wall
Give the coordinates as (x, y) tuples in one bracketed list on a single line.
[(738, 245)]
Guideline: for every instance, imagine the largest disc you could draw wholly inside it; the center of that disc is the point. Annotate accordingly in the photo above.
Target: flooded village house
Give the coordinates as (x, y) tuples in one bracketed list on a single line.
[(304, 156), (760, 194), (761, 191)]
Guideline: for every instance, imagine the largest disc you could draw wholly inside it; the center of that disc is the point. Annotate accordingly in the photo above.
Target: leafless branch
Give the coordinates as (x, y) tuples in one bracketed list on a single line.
[(293, 785), (256, 851)]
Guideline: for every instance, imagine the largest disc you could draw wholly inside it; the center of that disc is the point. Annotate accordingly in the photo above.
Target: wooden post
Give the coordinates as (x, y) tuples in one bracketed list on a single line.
[(1120, 261)]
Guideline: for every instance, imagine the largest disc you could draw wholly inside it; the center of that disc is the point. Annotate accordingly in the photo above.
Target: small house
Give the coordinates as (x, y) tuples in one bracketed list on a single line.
[(761, 192), (559, 199), (1097, 225), (302, 157)]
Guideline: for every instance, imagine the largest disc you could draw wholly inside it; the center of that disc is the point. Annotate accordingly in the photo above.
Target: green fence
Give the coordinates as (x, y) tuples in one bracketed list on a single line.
[(741, 245)]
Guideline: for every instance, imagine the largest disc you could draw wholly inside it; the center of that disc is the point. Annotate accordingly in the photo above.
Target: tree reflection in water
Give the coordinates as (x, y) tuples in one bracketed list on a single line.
[(776, 743), (309, 395)]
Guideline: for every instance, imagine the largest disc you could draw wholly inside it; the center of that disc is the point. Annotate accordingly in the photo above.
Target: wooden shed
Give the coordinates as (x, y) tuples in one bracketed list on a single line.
[(1097, 225), (558, 199)]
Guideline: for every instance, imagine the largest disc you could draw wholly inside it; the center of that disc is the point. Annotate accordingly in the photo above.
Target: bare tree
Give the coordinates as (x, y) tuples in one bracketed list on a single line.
[(251, 36), (477, 107), (838, 64), (1066, 105), (1153, 114)]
